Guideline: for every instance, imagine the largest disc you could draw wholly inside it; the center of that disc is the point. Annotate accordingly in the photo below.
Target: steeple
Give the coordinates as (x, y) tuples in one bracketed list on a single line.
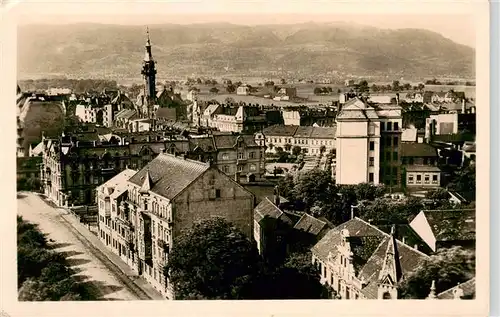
[(147, 184), (149, 74), (391, 271), (432, 294)]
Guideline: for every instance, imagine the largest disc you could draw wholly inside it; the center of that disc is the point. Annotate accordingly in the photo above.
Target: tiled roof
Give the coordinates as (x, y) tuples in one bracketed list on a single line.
[(170, 174), (422, 168), (303, 132), (409, 259), (280, 130), (454, 138), (126, 114), (323, 132), (206, 144), (229, 141), (414, 149), (266, 208), (468, 288), (356, 228), (356, 109), (309, 224), (119, 181), (453, 224)]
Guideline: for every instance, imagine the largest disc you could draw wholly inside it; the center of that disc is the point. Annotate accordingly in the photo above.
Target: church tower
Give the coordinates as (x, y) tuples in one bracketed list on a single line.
[(149, 74), (390, 275)]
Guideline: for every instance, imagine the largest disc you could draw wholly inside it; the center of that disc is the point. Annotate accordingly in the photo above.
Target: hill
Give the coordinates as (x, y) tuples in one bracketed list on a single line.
[(302, 50)]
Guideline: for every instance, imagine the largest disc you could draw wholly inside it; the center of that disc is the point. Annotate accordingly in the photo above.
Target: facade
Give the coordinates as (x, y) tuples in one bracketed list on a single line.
[(324, 117), (368, 141), (230, 118), (74, 165), (419, 165), (359, 261), (89, 113), (358, 144), (167, 196), (310, 139), (243, 90)]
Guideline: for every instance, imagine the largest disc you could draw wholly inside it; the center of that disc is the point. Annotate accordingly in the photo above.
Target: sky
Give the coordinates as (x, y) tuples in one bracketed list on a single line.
[(457, 23)]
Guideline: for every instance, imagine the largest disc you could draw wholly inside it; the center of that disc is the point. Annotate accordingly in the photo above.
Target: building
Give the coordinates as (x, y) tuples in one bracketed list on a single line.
[(272, 230), (287, 93), (444, 123), (89, 113), (312, 140), (391, 122), (324, 117), (358, 144), (233, 118), (243, 90), (359, 261), (167, 196), (446, 228), (73, 165), (419, 161)]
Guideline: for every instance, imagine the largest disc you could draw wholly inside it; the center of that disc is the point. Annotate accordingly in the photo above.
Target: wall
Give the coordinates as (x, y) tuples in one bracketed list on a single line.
[(352, 161), (199, 202)]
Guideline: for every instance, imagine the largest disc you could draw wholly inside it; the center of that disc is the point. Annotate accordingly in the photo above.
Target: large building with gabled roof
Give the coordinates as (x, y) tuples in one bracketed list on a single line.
[(147, 210)]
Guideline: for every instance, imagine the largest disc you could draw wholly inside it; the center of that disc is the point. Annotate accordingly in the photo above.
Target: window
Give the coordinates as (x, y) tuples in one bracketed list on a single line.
[(434, 178), (388, 156), (217, 193), (389, 126), (388, 141), (427, 179), (419, 179), (240, 168), (226, 169), (395, 141), (240, 155), (394, 156), (410, 179), (251, 155), (372, 146), (425, 161), (382, 126), (371, 161), (396, 126), (370, 177)]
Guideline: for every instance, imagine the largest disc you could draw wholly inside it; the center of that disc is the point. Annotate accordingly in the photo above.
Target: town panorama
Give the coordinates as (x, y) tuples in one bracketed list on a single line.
[(334, 187)]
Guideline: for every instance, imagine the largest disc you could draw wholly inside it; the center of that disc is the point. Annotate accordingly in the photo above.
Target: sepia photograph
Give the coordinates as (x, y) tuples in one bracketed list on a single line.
[(250, 156)]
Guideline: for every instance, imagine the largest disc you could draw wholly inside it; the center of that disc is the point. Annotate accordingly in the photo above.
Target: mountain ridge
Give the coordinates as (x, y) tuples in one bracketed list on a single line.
[(206, 49)]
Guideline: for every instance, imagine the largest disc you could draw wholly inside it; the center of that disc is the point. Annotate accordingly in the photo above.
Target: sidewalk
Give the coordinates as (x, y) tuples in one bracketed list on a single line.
[(115, 259)]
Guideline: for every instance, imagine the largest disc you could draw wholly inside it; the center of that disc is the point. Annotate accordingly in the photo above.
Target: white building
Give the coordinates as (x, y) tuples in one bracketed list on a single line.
[(243, 90), (89, 113), (358, 144)]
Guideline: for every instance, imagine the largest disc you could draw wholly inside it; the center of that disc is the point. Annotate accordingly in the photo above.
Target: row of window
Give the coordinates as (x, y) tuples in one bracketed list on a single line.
[(418, 180), (389, 126), (241, 168), (300, 141), (241, 155), (388, 141)]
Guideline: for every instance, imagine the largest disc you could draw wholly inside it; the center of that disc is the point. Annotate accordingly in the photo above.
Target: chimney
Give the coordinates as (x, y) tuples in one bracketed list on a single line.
[(463, 105), (415, 246)]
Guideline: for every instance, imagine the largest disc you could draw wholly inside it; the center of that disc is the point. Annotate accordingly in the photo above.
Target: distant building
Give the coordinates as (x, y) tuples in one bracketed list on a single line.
[(348, 82), (419, 162), (243, 90)]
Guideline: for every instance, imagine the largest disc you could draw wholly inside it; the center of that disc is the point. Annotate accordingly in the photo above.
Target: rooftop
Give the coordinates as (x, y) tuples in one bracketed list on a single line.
[(452, 224), (414, 149), (170, 174), (310, 224)]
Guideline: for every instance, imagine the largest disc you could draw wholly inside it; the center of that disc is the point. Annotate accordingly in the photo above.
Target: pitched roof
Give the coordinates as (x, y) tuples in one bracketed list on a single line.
[(126, 114), (452, 224), (356, 109), (303, 132), (422, 168), (117, 184), (266, 208), (280, 130), (324, 132), (356, 228), (166, 113), (207, 144), (468, 290), (408, 258), (309, 224), (170, 174), (414, 149), (229, 141)]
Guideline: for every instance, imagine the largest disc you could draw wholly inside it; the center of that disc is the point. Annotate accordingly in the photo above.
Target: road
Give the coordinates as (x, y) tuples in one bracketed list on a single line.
[(91, 267)]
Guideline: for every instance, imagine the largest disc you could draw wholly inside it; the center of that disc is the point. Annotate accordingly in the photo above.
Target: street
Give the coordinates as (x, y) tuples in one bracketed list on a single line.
[(90, 266)]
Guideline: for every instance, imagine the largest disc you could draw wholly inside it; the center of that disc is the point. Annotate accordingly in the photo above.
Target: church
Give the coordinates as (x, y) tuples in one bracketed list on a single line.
[(151, 100)]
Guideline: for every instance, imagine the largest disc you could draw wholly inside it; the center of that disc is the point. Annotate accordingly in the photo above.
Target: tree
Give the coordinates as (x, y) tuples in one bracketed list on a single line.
[(322, 149), (375, 88), (210, 260), (286, 186), (288, 147), (317, 90), (214, 90), (199, 81), (438, 194), (315, 186), (296, 150), (229, 101), (230, 88), (283, 81), (447, 268), (395, 85), (363, 86), (465, 181), (421, 86)]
